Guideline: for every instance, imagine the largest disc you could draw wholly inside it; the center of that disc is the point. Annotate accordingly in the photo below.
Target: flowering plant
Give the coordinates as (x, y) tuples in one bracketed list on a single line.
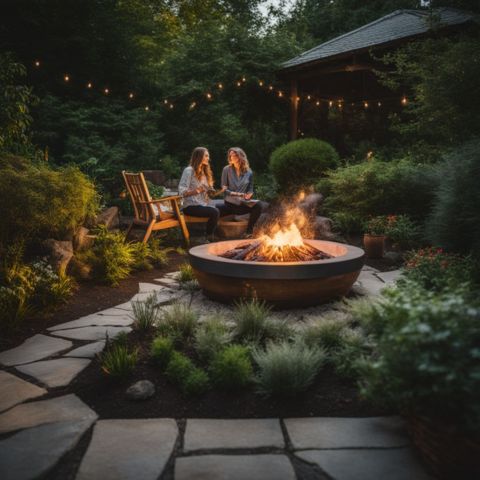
[(402, 231), (377, 225)]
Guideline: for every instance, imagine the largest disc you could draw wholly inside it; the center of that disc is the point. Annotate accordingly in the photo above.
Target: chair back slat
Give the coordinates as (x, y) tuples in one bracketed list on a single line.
[(138, 191)]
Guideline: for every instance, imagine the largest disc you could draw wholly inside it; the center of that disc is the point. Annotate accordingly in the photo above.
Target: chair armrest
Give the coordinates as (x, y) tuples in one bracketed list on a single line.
[(161, 200)]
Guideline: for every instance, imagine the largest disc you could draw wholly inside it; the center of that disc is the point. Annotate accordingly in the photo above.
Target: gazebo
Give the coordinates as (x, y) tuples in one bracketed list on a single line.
[(339, 74)]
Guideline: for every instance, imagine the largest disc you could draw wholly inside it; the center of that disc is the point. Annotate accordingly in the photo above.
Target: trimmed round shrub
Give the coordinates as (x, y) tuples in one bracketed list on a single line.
[(162, 350), (302, 162), (195, 383), (231, 368)]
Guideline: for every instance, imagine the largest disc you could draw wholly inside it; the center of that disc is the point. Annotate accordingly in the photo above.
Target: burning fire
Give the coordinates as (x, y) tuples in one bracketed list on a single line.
[(289, 237)]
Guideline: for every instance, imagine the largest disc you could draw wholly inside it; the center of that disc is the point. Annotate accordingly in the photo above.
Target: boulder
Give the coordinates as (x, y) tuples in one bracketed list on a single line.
[(393, 258), (82, 240), (108, 217), (59, 253), (141, 390)]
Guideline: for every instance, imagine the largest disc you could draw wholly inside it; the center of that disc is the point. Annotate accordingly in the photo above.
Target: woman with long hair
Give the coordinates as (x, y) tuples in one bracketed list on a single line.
[(237, 182), (196, 181)]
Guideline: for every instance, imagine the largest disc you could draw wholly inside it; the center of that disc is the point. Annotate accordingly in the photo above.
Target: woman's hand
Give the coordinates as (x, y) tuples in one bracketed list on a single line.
[(248, 196)]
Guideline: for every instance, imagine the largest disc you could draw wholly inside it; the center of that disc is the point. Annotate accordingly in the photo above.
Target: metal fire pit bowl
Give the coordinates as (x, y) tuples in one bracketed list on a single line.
[(283, 285)]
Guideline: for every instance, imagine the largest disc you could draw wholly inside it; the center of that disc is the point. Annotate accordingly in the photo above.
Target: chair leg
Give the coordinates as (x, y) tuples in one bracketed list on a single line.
[(149, 231), (129, 229), (181, 220)]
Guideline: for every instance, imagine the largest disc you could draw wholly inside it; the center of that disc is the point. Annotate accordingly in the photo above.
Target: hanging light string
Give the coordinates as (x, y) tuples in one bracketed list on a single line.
[(219, 87)]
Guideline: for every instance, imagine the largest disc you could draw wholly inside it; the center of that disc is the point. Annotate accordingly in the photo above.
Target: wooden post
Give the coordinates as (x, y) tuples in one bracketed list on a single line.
[(293, 109)]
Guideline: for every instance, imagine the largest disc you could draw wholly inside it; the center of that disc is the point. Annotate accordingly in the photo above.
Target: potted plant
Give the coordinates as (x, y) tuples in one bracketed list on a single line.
[(374, 236), (402, 232), (427, 365)]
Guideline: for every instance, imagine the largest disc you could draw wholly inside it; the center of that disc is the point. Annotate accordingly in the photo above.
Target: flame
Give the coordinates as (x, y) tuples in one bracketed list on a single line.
[(285, 237)]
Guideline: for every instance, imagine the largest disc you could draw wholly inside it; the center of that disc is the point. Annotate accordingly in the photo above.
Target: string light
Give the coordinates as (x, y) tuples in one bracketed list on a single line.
[(106, 91), (239, 84), (404, 100), (280, 94), (379, 104), (309, 97), (193, 105), (365, 104), (66, 77), (244, 79), (147, 108), (297, 99), (220, 86), (260, 83), (171, 106), (165, 101), (130, 95), (330, 103), (89, 85), (270, 87), (209, 96), (317, 103), (37, 63)]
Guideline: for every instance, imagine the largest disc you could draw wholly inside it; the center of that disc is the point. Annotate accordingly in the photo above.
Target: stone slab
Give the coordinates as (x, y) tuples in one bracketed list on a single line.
[(14, 390), (90, 350), (389, 277), (368, 268), (331, 432), (167, 281), (368, 284), (172, 274), (201, 434), (34, 348), (391, 464), (59, 409), (127, 306), (32, 453), (129, 449), (95, 320), (234, 467), (55, 373), (92, 333), (151, 287)]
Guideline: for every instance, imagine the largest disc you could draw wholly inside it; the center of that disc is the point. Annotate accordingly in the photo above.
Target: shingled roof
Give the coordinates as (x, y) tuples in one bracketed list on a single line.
[(390, 28)]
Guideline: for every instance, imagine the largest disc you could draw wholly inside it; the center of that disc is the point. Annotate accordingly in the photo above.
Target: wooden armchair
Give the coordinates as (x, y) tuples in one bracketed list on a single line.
[(148, 212)]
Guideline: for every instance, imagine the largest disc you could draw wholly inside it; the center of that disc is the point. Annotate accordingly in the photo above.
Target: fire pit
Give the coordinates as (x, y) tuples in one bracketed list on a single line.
[(284, 284)]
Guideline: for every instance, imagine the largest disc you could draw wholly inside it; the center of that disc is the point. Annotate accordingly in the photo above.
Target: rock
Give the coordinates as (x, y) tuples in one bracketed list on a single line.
[(323, 228), (82, 240), (59, 253), (90, 350), (141, 390), (92, 333), (109, 217), (80, 269), (393, 258), (15, 390), (96, 320)]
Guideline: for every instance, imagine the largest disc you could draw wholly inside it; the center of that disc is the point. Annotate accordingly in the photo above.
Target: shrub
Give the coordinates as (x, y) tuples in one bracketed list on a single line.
[(427, 357), (302, 162), (162, 350), (196, 382), (377, 225), (117, 360), (40, 202), (287, 368), (252, 321), (231, 368), (141, 256), (145, 313), (402, 231), (211, 336), (178, 322), (354, 350), (434, 269), (186, 273), (178, 367), (376, 188), (326, 333), (455, 220)]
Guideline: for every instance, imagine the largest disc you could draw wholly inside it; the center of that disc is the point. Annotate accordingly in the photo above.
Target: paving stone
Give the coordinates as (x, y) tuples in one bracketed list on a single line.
[(234, 467), (33, 452), (129, 449), (331, 432), (150, 287), (368, 284), (241, 433), (86, 351), (167, 281), (14, 390), (368, 268), (127, 306), (391, 464), (92, 333), (96, 320), (389, 277), (34, 348), (119, 310), (59, 409), (55, 373)]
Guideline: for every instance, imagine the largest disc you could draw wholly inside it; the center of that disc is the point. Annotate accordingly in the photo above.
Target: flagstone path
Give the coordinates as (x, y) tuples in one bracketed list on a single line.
[(35, 434)]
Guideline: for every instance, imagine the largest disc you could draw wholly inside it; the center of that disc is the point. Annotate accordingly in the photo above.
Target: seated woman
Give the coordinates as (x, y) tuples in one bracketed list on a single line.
[(196, 181), (237, 181)]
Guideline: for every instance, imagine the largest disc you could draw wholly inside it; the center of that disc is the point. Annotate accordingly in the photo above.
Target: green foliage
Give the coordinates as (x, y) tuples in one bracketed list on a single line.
[(178, 321), (377, 225), (196, 382), (302, 163), (455, 220), (427, 356), (186, 273), (15, 102), (326, 333), (287, 368), (348, 359), (434, 269), (117, 360), (156, 191), (231, 368), (145, 313), (179, 367), (170, 167), (40, 202), (253, 324), (378, 188), (212, 336), (347, 222), (161, 350), (402, 231)]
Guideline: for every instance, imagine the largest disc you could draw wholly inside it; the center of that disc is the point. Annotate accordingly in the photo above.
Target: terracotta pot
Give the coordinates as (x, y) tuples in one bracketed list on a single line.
[(448, 453), (374, 245)]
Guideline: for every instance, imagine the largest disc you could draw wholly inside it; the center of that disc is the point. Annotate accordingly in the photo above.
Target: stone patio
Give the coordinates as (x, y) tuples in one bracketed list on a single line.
[(35, 434)]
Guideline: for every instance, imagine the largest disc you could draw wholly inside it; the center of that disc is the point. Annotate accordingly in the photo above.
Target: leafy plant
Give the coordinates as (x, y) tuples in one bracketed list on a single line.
[(178, 321), (326, 333), (354, 349), (402, 231), (118, 360), (145, 313), (212, 336), (156, 191), (161, 350), (186, 273), (196, 382), (315, 157), (427, 356), (252, 321), (231, 367), (287, 368), (179, 367), (376, 225)]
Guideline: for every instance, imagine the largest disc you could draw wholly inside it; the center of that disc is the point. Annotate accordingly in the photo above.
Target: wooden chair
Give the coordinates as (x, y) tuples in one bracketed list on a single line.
[(148, 214)]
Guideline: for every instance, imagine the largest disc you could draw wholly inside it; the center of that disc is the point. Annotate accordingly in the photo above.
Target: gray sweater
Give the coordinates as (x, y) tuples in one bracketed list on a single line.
[(234, 183)]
